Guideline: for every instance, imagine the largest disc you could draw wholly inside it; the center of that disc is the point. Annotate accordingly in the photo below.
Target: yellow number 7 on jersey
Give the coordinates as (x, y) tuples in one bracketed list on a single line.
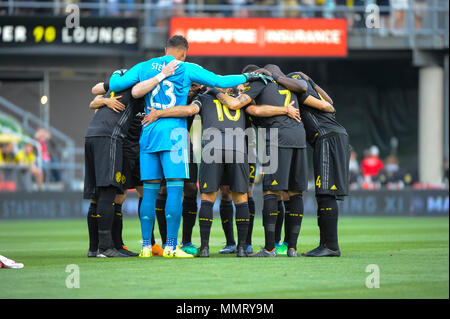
[(287, 100)]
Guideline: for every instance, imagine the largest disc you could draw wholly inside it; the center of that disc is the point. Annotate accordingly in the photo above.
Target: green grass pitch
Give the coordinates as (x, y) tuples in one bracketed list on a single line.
[(412, 255)]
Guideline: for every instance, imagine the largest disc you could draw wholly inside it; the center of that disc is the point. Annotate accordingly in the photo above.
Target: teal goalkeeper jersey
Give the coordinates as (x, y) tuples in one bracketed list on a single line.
[(164, 133)]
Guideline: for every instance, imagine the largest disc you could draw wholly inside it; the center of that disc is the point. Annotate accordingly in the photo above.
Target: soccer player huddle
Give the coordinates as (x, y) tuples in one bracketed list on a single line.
[(139, 138)]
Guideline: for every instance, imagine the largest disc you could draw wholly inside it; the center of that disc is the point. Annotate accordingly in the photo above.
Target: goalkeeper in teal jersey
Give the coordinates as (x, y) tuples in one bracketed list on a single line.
[(163, 143)]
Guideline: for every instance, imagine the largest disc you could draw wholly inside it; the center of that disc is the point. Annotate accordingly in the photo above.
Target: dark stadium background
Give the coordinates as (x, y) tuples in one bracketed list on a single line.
[(376, 86)]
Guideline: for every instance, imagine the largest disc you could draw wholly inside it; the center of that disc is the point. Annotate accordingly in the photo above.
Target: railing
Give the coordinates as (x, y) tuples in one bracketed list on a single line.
[(30, 123), (430, 20)]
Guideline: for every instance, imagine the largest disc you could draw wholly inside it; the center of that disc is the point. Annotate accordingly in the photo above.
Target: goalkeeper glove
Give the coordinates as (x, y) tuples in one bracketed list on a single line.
[(250, 77), (120, 71)]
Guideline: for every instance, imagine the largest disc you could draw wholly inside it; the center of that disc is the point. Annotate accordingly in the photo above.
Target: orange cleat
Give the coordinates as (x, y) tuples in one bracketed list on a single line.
[(157, 250)]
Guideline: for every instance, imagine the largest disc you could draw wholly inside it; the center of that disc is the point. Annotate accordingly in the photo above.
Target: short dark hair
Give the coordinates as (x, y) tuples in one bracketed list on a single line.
[(250, 68), (177, 41)]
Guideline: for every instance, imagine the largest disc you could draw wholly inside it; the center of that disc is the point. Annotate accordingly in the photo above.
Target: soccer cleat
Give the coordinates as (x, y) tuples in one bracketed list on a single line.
[(292, 253), (177, 253), (203, 251), (124, 250), (92, 253), (241, 252), (168, 252), (281, 249), (189, 248), (249, 249), (265, 253), (9, 263), (146, 252), (322, 251), (110, 252), (228, 249), (157, 250)]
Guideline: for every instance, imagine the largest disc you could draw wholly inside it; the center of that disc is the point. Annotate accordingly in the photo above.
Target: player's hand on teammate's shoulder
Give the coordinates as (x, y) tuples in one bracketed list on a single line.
[(293, 112), (263, 71), (151, 117), (114, 104), (170, 68)]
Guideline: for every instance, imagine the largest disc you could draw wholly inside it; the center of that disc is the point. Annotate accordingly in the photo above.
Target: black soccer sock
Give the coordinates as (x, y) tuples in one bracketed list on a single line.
[(294, 219), (160, 207), (226, 215), (205, 220), (286, 227), (270, 212), (117, 226), (328, 217), (251, 208), (279, 223), (92, 219), (105, 208), (242, 222), (189, 216)]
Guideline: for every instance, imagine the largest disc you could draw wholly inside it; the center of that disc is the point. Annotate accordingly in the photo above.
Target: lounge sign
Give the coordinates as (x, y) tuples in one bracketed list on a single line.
[(48, 31)]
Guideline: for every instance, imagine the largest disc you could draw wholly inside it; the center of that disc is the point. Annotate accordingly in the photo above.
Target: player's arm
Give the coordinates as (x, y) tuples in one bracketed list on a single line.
[(270, 110), (321, 105), (123, 79), (142, 88), (112, 102), (234, 103), (200, 75), (176, 111), (319, 90), (294, 85), (99, 89)]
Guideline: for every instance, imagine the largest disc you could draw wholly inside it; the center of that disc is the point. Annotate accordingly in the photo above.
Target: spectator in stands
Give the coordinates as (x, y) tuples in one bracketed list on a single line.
[(384, 7), (50, 173), (264, 13), (112, 7), (288, 11), (238, 10), (306, 11), (354, 169), (391, 173), (446, 171), (420, 7), (400, 7), (27, 157), (372, 164), (8, 155)]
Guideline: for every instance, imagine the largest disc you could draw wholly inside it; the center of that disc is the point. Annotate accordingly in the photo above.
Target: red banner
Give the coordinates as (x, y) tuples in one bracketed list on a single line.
[(263, 36)]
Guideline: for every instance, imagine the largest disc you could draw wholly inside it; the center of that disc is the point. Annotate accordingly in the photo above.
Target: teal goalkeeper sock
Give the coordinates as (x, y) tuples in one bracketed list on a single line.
[(147, 211), (174, 210)]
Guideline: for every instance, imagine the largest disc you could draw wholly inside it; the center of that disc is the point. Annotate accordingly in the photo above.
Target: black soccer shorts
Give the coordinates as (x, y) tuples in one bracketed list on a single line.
[(103, 165), (131, 165), (291, 173), (235, 174), (331, 157)]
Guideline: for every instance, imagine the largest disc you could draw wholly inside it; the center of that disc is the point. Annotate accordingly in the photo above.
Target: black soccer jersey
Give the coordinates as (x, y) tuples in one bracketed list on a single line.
[(291, 134), (135, 127), (317, 123), (109, 123), (217, 116)]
